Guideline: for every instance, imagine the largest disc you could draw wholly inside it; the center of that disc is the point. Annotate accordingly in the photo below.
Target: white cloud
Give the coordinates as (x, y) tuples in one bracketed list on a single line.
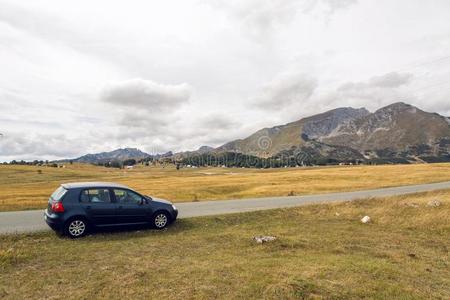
[(217, 121), (145, 111), (373, 93), (334, 5), (146, 94), (262, 18), (259, 18), (391, 80), (27, 147), (285, 92)]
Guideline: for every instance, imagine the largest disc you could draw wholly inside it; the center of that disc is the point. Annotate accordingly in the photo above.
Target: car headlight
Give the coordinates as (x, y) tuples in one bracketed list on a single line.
[(174, 207)]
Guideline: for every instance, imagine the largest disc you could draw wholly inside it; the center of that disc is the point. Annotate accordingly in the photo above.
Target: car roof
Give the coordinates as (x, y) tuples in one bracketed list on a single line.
[(77, 185)]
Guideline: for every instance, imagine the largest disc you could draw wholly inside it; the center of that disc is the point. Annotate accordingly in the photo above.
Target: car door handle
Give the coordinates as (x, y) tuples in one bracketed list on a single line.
[(88, 207), (120, 206)]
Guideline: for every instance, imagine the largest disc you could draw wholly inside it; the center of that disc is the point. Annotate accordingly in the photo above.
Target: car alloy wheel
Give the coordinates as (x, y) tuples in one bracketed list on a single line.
[(76, 228), (161, 220)]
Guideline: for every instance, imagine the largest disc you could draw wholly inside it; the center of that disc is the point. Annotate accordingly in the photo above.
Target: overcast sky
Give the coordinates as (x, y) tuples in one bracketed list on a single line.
[(81, 76)]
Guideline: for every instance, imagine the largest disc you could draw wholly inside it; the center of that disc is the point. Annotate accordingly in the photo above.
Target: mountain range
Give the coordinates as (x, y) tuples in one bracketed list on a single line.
[(116, 155), (396, 133)]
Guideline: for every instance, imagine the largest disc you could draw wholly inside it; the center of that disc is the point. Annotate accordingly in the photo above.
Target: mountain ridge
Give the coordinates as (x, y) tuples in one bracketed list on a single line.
[(398, 132), (120, 154)]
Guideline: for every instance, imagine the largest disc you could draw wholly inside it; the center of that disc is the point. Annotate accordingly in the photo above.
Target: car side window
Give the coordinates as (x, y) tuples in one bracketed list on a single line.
[(95, 196), (127, 197)]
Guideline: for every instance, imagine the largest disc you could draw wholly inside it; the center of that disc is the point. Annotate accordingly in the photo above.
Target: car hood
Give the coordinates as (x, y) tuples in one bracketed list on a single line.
[(161, 201)]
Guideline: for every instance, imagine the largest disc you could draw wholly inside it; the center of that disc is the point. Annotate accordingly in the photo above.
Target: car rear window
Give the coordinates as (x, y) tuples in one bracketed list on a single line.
[(58, 194)]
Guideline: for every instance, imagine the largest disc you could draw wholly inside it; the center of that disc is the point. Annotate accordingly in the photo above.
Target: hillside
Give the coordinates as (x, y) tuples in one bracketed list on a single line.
[(270, 141), (116, 155), (396, 131), (395, 126)]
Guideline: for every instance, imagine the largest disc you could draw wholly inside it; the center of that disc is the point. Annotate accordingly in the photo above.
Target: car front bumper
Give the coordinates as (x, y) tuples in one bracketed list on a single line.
[(174, 213)]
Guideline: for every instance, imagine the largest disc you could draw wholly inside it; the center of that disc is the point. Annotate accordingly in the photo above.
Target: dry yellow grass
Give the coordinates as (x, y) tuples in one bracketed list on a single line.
[(402, 254), (22, 187)]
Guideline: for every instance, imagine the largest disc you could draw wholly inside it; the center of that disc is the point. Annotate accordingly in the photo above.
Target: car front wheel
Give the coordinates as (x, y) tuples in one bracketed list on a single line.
[(160, 220), (76, 228)]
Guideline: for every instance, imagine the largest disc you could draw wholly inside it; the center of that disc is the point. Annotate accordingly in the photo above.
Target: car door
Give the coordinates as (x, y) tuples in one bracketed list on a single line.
[(99, 206), (131, 207)]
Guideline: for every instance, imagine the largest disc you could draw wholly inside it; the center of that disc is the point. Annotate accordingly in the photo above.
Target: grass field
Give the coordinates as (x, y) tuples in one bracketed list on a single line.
[(25, 187), (403, 254)]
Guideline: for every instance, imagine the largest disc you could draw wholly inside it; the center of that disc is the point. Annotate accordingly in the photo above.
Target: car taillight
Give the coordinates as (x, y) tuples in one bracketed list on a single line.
[(57, 207)]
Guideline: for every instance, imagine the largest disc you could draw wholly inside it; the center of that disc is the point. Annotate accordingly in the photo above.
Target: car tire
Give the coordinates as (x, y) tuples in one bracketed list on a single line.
[(160, 220), (76, 228)]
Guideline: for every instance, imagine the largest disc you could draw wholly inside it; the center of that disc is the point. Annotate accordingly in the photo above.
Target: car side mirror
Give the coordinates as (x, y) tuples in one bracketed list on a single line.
[(149, 198)]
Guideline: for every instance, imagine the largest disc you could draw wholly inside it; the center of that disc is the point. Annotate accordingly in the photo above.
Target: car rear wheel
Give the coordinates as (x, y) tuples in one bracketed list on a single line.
[(76, 228), (161, 220)]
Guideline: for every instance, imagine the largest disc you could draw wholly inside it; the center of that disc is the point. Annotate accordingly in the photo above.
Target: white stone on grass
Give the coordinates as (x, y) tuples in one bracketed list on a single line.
[(264, 239), (434, 203), (365, 220)]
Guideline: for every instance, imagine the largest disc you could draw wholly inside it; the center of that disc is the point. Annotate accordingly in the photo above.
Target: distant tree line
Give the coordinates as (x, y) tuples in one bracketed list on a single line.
[(110, 164), (44, 163), (232, 159), (117, 163)]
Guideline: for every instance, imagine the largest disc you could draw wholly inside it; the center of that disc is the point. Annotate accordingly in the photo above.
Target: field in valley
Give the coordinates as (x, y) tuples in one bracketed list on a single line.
[(321, 252), (28, 187)]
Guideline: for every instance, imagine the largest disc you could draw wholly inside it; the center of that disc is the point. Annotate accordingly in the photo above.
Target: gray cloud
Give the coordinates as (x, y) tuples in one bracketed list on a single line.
[(334, 5), (145, 110), (146, 120), (56, 30), (373, 93), (24, 146), (218, 121), (206, 130), (45, 26), (286, 90), (261, 17), (391, 80), (146, 94)]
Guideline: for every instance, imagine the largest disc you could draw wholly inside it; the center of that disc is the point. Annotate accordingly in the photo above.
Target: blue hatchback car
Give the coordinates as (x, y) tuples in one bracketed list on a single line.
[(75, 208)]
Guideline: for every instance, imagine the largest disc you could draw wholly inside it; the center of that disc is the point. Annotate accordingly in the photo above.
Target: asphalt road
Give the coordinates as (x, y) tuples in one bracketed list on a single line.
[(32, 220)]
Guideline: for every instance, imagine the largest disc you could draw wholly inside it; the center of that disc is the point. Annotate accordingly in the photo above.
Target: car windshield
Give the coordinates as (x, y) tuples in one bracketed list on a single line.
[(58, 194)]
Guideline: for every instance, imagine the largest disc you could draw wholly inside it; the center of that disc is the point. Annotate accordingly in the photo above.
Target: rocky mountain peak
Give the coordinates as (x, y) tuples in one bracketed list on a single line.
[(325, 124), (395, 108), (118, 154), (205, 148)]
